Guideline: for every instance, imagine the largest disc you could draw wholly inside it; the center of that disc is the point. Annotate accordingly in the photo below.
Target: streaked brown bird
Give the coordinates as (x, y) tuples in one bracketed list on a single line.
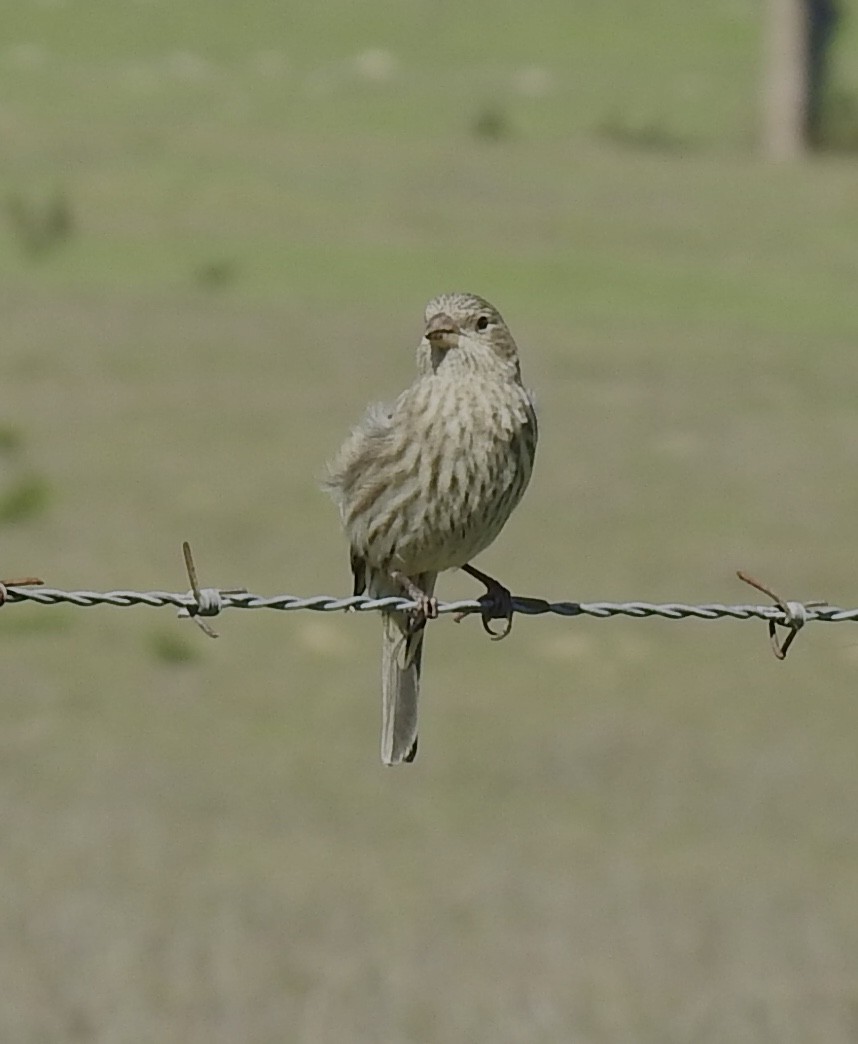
[(427, 483)]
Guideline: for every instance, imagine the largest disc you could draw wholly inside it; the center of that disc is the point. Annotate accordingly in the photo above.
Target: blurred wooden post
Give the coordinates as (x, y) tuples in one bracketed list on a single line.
[(823, 16), (785, 91)]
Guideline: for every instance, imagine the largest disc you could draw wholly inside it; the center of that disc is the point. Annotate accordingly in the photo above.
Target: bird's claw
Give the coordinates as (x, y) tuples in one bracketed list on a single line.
[(427, 609), (496, 604)]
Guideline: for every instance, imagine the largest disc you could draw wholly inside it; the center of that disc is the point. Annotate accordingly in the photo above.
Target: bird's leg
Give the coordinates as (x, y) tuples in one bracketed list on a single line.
[(496, 603), (427, 606)]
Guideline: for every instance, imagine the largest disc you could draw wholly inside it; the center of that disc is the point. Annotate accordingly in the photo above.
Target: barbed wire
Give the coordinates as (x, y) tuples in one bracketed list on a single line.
[(202, 602), (215, 601)]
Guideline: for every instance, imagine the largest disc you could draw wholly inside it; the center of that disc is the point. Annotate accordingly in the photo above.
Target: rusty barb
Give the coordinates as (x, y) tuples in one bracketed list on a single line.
[(206, 600), (794, 615), (27, 581)]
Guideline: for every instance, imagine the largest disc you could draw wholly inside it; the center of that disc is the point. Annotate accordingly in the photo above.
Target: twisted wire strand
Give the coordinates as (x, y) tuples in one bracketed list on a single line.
[(211, 601)]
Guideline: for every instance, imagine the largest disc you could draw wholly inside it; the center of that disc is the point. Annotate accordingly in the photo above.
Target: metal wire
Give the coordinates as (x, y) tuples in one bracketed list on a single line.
[(202, 602), (213, 601)]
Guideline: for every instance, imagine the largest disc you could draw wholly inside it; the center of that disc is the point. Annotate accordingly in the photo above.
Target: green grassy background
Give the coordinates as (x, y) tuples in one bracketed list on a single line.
[(616, 831)]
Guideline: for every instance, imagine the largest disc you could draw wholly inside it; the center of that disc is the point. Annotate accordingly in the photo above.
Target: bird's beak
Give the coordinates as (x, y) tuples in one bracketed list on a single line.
[(442, 331)]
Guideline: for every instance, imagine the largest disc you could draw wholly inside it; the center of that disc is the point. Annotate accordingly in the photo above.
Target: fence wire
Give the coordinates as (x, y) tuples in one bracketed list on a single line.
[(207, 602), (214, 601)]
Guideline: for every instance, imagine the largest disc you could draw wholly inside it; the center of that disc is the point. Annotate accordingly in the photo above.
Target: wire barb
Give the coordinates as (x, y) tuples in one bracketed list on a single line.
[(207, 601), (27, 581), (795, 615)]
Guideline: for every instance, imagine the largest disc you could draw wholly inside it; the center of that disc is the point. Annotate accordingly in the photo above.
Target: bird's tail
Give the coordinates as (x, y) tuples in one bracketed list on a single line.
[(401, 655)]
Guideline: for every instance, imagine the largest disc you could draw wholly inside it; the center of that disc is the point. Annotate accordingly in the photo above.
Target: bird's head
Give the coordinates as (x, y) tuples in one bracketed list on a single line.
[(468, 324)]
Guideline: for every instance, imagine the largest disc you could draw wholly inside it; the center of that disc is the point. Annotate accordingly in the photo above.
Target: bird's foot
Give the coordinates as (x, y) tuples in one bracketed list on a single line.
[(427, 606), (417, 618), (495, 604)]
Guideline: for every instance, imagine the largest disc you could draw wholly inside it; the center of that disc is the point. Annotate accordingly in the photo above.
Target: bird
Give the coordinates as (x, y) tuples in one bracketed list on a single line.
[(426, 483)]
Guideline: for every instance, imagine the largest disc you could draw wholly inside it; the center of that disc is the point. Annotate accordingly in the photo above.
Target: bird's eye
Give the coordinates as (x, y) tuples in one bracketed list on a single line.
[(483, 322)]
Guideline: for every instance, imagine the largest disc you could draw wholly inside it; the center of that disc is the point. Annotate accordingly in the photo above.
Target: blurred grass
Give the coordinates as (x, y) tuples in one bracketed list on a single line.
[(625, 831), (26, 497)]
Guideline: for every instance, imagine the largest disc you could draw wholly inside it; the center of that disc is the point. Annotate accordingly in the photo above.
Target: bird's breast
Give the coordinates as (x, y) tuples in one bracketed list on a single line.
[(432, 487), (473, 460)]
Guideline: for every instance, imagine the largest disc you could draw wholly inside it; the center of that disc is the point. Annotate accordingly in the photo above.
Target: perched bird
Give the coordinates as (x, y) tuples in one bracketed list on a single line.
[(427, 483)]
